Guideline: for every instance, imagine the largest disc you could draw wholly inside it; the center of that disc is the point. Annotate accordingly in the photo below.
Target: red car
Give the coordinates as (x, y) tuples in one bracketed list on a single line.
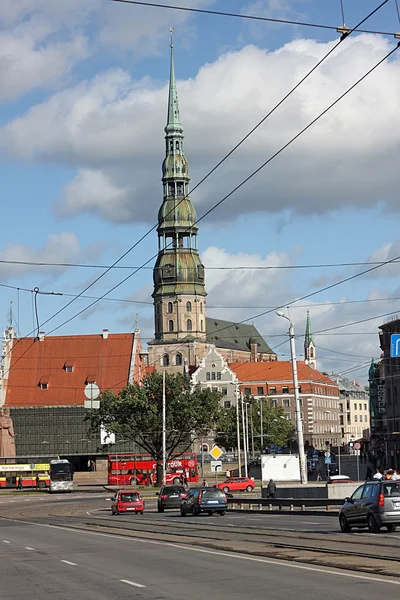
[(239, 484), (127, 501)]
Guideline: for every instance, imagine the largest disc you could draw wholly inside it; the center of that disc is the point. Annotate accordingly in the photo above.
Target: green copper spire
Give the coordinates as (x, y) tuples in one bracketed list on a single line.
[(309, 337), (173, 123)]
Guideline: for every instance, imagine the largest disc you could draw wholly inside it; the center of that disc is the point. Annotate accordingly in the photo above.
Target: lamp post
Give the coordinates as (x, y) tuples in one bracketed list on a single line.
[(261, 426), (299, 424), (244, 439), (236, 384)]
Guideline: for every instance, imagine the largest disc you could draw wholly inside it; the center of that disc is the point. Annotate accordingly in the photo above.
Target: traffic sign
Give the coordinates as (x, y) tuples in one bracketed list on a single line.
[(216, 452), (327, 454), (328, 460), (357, 446), (216, 466), (395, 345)]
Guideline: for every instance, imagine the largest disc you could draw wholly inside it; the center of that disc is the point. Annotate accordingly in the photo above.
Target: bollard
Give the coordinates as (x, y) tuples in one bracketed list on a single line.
[(303, 507), (291, 507), (270, 506)]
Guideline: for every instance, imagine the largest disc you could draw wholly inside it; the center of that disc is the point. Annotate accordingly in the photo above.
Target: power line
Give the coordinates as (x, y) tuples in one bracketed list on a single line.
[(242, 16), (357, 322), (222, 268)]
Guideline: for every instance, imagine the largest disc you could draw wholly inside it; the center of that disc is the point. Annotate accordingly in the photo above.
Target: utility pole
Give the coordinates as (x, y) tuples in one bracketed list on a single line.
[(299, 424), (244, 439), (236, 384), (261, 426), (164, 432)]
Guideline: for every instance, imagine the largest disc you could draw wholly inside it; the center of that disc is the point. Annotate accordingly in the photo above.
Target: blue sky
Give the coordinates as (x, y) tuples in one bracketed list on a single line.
[(82, 108)]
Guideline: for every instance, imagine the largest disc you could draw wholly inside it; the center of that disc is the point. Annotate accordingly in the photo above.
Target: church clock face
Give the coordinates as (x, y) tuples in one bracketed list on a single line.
[(168, 271), (200, 271)]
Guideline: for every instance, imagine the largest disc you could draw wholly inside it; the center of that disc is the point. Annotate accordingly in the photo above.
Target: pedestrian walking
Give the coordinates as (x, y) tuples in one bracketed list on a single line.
[(271, 489), (204, 484), (319, 476), (37, 482), (19, 483), (395, 476), (227, 474)]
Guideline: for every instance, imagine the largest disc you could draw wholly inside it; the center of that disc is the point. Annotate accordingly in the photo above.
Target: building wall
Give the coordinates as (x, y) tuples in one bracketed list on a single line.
[(389, 404), (214, 373), (174, 309)]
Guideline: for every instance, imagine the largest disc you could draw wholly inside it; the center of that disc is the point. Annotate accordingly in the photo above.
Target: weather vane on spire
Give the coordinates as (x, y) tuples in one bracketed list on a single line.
[(171, 30)]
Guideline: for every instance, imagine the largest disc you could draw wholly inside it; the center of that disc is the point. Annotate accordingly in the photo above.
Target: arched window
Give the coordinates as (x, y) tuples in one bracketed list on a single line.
[(170, 325), (177, 145), (201, 325), (201, 307), (170, 307), (188, 307), (178, 359), (311, 352), (189, 325), (165, 360)]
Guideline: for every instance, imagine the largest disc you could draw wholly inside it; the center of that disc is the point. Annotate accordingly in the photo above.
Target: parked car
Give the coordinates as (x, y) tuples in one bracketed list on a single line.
[(374, 504), (339, 479), (240, 484), (170, 496), (127, 501), (204, 499)]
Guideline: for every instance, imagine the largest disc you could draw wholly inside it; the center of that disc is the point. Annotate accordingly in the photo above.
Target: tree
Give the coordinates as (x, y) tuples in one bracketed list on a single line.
[(277, 429), (135, 413)]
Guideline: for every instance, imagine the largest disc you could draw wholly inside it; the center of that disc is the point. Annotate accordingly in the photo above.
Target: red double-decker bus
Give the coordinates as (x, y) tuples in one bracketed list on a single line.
[(140, 469)]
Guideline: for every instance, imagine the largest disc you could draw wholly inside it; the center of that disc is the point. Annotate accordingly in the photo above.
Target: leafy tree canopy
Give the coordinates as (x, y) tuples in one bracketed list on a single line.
[(135, 413)]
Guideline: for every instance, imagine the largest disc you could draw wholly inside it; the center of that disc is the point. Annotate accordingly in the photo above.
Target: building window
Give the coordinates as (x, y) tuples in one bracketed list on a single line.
[(178, 359), (214, 389), (247, 391), (285, 389), (227, 403), (287, 416), (201, 307), (69, 368), (165, 360), (299, 389), (201, 325), (366, 418), (213, 376), (208, 376), (272, 389), (274, 402), (177, 145), (170, 307), (365, 407), (224, 390), (188, 307), (189, 325), (302, 416), (43, 385), (260, 391), (301, 402), (170, 325), (360, 406), (355, 418), (286, 402), (219, 376)]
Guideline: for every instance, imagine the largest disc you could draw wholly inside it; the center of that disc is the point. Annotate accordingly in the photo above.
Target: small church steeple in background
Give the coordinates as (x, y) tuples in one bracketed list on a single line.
[(309, 347)]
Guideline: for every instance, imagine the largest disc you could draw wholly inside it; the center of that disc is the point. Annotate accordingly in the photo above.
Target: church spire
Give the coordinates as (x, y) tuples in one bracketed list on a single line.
[(309, 346), (173, 123)]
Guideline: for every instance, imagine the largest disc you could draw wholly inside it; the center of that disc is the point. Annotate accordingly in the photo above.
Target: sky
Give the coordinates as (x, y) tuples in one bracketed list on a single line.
[(83, 102)]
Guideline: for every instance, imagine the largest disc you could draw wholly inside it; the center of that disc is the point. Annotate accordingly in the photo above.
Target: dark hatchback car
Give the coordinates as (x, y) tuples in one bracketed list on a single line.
[(170, 496), (204, 499), (374, 504)]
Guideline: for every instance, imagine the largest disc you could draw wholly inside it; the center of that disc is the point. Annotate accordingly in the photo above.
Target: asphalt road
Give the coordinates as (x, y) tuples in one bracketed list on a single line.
[(51, 562)]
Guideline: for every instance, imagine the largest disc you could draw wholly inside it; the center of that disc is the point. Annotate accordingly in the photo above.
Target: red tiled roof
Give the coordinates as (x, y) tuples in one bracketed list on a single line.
[(105, 361), (277, 371)]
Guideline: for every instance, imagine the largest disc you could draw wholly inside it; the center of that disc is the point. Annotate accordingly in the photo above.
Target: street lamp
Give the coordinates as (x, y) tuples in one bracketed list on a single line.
[(237, 395), (299, 424)]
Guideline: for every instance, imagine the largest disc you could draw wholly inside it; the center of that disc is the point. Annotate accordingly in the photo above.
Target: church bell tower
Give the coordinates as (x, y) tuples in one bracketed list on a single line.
[(179, 276)]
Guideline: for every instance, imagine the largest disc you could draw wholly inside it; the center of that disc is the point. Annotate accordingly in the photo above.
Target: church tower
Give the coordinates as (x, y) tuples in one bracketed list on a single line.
[(179, 276), (309, 347)]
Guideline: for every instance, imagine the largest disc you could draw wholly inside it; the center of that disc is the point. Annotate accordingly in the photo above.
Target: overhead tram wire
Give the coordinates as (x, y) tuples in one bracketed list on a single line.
[(269, 160), (242, 16), (205, 178), (223, 268), (209, 174)]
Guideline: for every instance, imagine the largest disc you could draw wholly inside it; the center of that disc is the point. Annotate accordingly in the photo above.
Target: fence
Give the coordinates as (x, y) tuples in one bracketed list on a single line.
[(269, 504)]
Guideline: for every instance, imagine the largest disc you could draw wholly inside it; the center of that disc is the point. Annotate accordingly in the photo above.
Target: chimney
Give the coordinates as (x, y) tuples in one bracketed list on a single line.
[(105, 334), (253, 352), (41, 336)]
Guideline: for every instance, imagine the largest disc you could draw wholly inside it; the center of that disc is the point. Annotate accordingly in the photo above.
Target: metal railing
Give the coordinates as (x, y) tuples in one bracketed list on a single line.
[(269, 504)]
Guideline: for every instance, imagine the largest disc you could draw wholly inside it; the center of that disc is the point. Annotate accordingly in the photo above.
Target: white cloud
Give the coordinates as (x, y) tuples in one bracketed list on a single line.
[(58, 248), (115, 125), (42, 40)]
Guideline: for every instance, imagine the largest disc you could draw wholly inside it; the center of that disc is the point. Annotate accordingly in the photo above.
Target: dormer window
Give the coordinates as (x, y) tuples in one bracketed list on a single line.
[(43, 386), (44, 382), (69, 368)]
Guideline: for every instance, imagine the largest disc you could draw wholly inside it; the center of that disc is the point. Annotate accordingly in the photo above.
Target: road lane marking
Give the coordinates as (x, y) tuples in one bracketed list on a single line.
[(132, 583), (68, 562), (270, 561), (6, 542), (29, 548), (310, 523)]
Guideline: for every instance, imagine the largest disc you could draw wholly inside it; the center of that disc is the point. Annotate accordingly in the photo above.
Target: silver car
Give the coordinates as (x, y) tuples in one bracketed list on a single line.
[(374, 504)]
